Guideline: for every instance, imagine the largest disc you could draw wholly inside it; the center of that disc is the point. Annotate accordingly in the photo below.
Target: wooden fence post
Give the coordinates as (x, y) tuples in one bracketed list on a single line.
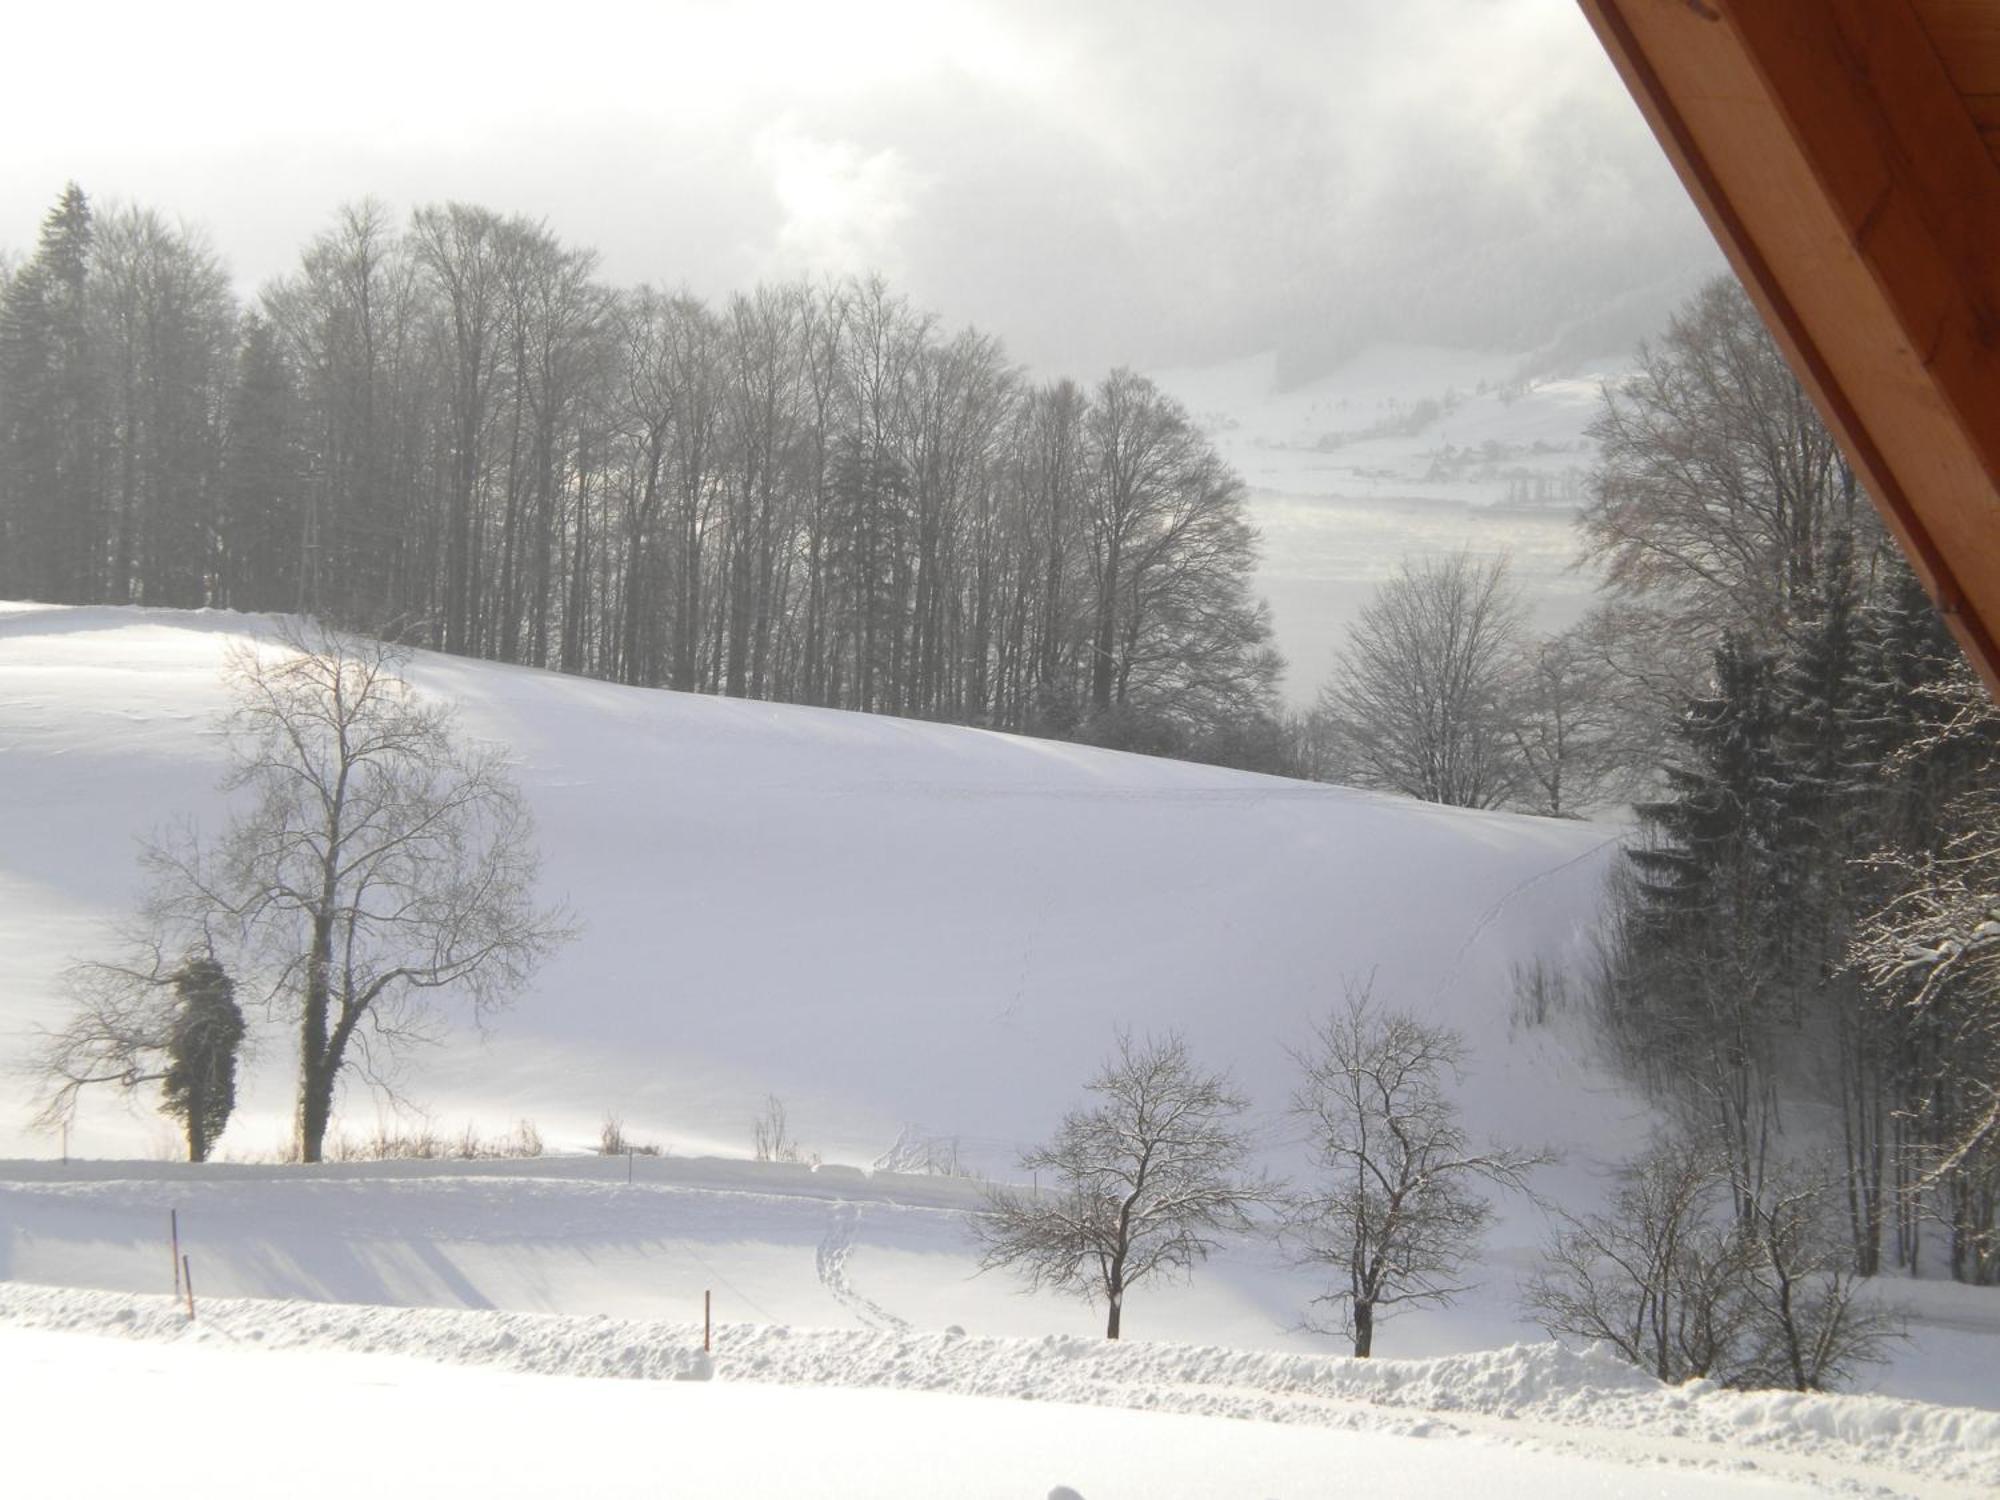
[(187, 1280)]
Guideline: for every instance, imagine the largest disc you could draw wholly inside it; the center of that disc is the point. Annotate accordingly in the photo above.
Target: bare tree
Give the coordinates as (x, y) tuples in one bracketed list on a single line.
[(1656, 1278), (1398, 1207), (121, 1014), (1718, 489), (1570, 736), (460, 247), (1808, 1327), (1418, 693), (1678, 1280), (1931, 953), (1145, 1181), (382, 858), (772, 1139)]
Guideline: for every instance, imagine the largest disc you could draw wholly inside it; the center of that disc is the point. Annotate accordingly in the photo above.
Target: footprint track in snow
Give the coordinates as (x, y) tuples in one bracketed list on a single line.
[(830, 1262)]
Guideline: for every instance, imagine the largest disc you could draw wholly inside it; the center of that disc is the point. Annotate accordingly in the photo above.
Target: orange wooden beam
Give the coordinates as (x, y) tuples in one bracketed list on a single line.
[(1847, 180)]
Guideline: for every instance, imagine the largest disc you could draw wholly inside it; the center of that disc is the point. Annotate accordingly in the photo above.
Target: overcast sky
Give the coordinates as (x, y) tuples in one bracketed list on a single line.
[(1152, 183)]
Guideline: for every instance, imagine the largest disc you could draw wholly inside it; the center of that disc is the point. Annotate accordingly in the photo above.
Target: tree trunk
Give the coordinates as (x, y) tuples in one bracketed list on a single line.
[(315, 1088), (1105, 635), (1364, 1329), (315, 1062)]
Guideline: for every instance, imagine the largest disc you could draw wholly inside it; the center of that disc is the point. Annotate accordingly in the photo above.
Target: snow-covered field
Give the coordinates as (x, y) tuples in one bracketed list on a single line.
[(320, 1423), (893, 926), (1403, 422), (1404, 451), (907, 931), (540, 1404)]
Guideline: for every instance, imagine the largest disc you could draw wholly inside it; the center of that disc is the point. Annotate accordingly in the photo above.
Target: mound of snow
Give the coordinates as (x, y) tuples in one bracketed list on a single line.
[(1530, 1391), (408, 1427)]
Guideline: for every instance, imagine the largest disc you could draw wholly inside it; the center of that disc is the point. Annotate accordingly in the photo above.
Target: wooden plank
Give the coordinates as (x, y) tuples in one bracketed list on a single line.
[(1985, 112), (1984, 109), (1966, 34), (1844, 176)]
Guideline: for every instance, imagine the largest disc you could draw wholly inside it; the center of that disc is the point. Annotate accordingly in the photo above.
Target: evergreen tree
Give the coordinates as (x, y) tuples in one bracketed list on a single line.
[(202, 1041), (1704, 999), (51, 503), (1823, 687), (1833, 780), (1724, 812)]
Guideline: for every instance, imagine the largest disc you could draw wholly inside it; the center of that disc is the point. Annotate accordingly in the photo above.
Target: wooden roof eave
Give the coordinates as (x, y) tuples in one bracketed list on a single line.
[(1846, 179)]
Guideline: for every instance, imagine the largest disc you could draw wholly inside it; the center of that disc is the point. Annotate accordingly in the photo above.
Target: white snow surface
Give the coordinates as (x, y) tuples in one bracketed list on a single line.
[(1590, 1406), (911, 933), (835, 1249), (891, 925), (386, 1425), (1401, 421)]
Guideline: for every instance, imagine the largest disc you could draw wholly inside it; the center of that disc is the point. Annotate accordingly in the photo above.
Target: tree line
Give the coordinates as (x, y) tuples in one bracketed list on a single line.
[(1147, 1180), (453, 433), (1801, 940), (1801, 953)]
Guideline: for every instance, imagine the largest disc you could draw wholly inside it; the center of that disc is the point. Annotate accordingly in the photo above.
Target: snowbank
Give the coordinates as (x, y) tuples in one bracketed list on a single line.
[(408, 1427), (1531, 1391)]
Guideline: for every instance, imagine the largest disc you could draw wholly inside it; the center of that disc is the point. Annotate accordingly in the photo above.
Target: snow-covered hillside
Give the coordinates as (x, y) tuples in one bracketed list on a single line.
[(889, 925), (909, 932), (905, 931), (1402, 451), (1404, 422)]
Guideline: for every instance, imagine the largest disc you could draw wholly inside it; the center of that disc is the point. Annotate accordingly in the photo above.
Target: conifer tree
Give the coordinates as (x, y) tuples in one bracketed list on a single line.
[(1725, 793), (1703, 994), (51, 505), (202, 1041)]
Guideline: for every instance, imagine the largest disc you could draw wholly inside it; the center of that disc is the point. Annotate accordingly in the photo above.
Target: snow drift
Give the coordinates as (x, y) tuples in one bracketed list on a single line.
[(1539, 1392)]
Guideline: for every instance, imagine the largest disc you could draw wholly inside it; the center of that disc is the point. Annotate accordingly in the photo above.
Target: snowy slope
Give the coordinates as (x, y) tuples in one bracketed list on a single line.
[(886, 923), (1403, 422), (903, 929)]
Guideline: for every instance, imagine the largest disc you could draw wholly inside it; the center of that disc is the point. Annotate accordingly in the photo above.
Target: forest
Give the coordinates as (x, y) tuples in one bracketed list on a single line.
[(451, 432), (1802, 957)]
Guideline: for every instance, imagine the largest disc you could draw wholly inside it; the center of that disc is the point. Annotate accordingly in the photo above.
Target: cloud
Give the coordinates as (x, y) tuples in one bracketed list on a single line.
[(841, 208), (1126, 181)]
